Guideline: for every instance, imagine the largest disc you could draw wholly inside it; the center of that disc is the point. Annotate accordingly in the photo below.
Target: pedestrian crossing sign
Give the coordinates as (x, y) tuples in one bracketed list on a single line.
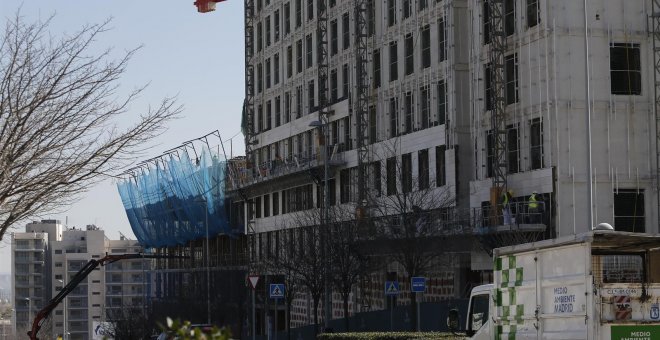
[(391, 287), (276, 290)]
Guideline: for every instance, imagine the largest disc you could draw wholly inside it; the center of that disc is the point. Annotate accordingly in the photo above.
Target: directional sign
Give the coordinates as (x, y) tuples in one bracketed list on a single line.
[(418, 284), (276, 290), (253, 279), (391, 287)]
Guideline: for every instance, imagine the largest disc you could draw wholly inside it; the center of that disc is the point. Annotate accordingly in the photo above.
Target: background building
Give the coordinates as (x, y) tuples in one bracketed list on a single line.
[(54, 254)]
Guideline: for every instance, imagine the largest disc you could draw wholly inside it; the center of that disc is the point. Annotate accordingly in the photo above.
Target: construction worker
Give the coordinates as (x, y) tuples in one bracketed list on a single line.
[(506, 207), (533, 211)]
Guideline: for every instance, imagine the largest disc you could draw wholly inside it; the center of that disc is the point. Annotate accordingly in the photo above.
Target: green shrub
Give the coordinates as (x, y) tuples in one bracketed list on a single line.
[(389, 336), (185, 331)]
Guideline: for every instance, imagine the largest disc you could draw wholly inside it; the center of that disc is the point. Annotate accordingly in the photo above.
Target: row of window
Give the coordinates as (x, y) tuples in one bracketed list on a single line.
[(398, 177), (414, 43), (533, 17), (535, 148)]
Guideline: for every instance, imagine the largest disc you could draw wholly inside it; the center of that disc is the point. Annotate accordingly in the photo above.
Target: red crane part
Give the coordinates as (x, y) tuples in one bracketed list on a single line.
[(205, 6)]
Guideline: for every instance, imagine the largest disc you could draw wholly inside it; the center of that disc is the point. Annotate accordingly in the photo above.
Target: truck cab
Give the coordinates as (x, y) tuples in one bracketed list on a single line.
[(477, 323)]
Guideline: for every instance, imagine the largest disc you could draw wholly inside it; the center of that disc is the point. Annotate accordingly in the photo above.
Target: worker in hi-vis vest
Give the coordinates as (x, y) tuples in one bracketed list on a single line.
[(533, 211), (506, 207)]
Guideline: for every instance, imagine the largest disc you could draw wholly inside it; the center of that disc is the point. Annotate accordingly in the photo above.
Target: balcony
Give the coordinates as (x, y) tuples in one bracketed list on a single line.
[(278, 168)]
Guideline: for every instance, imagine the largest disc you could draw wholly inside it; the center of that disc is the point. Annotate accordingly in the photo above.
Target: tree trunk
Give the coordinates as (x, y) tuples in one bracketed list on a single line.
[(316, 315), (413, 312), (346, 317)]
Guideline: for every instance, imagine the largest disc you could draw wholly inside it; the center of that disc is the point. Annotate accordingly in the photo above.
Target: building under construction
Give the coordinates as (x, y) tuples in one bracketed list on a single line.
[(520, 119)]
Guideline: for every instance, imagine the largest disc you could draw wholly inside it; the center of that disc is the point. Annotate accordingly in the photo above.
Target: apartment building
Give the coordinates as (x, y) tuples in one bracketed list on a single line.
[(55, 253)]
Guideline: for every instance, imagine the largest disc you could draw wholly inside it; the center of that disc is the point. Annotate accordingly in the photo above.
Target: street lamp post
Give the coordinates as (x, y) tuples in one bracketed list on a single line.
[(65, 311)]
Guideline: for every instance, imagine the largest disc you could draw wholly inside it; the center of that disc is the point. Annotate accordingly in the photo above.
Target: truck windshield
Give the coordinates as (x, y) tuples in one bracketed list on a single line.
[(478, 311)]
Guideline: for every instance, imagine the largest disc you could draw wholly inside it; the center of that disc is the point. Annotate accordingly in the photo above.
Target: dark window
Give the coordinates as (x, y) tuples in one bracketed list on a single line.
[(335, 132), (346, 30), (391, 176), (373, 127), (276, 68), (511, 79), (424, 106), (410, 49), (442, 102), (629, 210), (298, 13), (268, 73), (513, 149), (278, 111), (311, 94), (440, 170), (371, 18), (490, 153), (394, 117), (422, 4), (442, 40), (625, 69), (287, 18), (426, 46), (345, 80), (394, 67), (406, 173), (259, 38), (391, 12), (257, 202), (299, 56), (406, 9), (536, 143), (509, 17), (269, 115), (308, 45), (276, 203), (276, 24), (488, 86), (287, 107), (332, 3), (376, 68), (289, 61), (486, 22), (423, 169), (260, 118), (333, 86), (310, 10), (348, 185), (347, 133), (260, 78), (532, 13), (267, 35), (410, 112), (266, 205), (333, 37), (299, 101)]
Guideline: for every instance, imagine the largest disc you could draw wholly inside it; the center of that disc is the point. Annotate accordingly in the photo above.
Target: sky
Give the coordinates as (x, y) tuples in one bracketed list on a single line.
[(197, 57)]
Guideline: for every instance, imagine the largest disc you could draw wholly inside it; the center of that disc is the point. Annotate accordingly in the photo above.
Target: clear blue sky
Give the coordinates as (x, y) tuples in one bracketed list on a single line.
[(198, 57)]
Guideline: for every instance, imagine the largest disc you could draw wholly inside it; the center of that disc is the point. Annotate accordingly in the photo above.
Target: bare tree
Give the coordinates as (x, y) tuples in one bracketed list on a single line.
[(348, 263), (129, 322), (59, 113), (411, 217)]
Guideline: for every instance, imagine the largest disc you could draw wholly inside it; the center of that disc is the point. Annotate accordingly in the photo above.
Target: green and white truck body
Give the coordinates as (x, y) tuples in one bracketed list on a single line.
[(597, 285)]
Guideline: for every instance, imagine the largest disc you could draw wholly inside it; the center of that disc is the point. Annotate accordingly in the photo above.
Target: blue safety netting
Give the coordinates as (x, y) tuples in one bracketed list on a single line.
[(169, 202)]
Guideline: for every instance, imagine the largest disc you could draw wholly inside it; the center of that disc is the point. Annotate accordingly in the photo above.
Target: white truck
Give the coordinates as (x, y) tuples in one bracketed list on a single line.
[(597, 285)]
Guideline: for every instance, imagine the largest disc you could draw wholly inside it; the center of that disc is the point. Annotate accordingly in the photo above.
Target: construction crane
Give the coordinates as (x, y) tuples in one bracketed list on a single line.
[(43, 314)]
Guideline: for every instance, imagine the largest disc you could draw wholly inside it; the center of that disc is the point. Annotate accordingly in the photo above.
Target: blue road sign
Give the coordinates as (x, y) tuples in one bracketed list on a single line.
[(276, 290), (391, 287), (418, 284)]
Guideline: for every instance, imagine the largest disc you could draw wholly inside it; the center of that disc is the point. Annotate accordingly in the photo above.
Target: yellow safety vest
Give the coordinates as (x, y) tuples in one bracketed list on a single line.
[(532, 202)]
